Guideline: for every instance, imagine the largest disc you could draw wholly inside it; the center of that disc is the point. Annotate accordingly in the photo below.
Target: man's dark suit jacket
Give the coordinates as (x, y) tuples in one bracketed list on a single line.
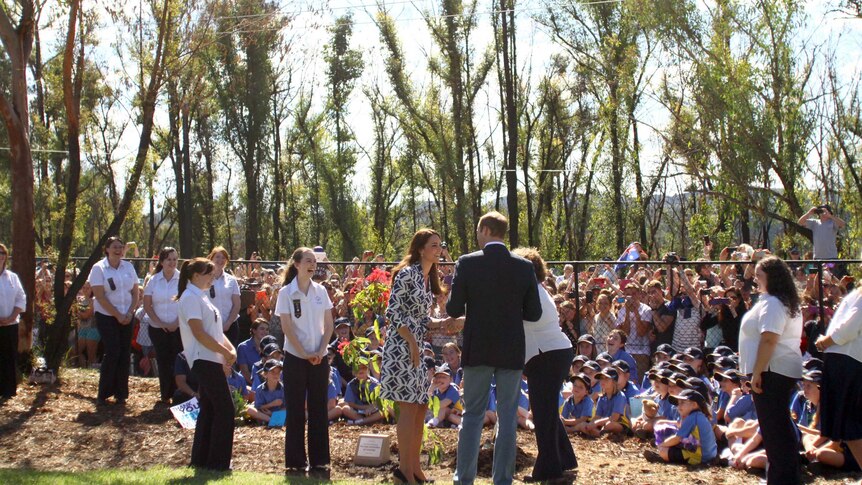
[(498, 291)]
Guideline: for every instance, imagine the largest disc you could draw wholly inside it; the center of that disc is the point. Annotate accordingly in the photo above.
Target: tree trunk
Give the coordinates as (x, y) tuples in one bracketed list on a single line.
[(512, 127)]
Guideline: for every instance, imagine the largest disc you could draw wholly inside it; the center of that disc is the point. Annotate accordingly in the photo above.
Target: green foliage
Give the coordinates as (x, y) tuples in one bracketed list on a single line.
[(239, 403)]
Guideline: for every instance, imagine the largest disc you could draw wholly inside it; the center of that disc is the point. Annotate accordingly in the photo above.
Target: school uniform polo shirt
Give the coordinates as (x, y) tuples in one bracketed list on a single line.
[(117, 282), (247, 353), (354, 396), (263, 396), (163, 292), (196, 305), (450, 393), (307, 313), (573, 410), (236, 381), (618, 403), (12, 295)]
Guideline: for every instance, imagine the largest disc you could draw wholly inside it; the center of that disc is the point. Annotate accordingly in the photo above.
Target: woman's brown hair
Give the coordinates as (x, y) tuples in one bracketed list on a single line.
[(112, 240), (191, 267), (291, 272), (779, 283), (414, 256), (219, 249), (163, 255), (5, 250), (532, 255)]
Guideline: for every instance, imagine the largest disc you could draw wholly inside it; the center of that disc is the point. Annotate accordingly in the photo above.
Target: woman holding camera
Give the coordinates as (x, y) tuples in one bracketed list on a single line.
[(13, 302), (115, 287), (769, 352)]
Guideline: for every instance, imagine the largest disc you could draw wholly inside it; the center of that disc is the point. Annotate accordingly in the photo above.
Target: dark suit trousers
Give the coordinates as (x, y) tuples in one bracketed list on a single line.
[(305, 381), (545, 375), (114, 370), (213, 445), (8, 360), (167, 345), (779, 436)]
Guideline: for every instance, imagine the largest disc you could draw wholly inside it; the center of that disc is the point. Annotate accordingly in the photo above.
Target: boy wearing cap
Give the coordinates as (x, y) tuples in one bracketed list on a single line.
[(356, 406), (578, 408), (626, 386), (269, 396), (612, 409), (644, 425), (590, 369), (270, 351), (694, 442), (448, 397), (617, 349)]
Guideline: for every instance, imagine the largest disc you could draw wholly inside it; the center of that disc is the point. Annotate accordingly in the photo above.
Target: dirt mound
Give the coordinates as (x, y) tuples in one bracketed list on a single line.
[(59, 427)]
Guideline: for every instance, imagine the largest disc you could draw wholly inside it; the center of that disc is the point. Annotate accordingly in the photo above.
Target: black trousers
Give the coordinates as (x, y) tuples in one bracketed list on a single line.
[(232, 333), (545, 375), (213, 445), (305, 381), (114, 371), (8, 360), (779, 436), (167, 345)]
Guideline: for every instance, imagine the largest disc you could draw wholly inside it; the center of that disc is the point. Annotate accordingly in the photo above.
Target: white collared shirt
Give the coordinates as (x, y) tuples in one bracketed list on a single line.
[(770, 315), (307, 312), (544, 335), (195, 304), (494, 242), (224, 287), (12, 295), (124, 278), (846, 327), (163, 293)]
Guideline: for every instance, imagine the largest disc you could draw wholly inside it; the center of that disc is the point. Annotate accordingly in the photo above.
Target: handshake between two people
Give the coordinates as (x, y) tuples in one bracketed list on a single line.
[(447, 326)]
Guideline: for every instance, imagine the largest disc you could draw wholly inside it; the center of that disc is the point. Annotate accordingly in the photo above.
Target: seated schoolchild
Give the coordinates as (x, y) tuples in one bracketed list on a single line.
[(333, 391), (235, 381), (728, 381), (660, 409), (187, 385), (808, 421), (578, 408), (616, 343), (694, 442), (590, 369), (448, 396), (270, 351), (749, 454), (587, 346), (604, 359), (357, 406), (248, 352), (612, 409), (269, 395), (525, 417), (835, 455), (740, 405), (626, 385)]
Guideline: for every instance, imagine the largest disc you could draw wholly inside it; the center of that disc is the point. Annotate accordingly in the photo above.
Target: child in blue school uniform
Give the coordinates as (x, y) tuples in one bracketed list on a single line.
[(270, 351), (356, 406), (578, 408), (525, 417), (235, 381), (694, 442), (612, 409), (448, 395), (627, 386), (269, 396), (661, 409)]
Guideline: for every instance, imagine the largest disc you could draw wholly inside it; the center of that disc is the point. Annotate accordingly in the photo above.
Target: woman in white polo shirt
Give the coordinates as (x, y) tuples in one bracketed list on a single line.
[(207, 350), (13, 302), (224, 294), (304, 308), (160, 303), (115, 286), (769, 338)]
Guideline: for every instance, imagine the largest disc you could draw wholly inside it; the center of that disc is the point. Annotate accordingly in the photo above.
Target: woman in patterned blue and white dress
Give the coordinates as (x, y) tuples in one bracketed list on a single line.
[(404, 378)]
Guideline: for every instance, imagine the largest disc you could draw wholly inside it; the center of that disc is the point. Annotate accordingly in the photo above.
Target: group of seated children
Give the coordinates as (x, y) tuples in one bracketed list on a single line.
[(698, 409)]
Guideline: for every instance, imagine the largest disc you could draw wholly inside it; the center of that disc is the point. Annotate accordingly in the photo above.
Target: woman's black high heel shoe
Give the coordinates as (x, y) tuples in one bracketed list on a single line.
[(399, 475)]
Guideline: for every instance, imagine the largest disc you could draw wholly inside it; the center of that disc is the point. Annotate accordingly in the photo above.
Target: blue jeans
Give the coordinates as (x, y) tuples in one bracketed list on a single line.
[(477, 389)]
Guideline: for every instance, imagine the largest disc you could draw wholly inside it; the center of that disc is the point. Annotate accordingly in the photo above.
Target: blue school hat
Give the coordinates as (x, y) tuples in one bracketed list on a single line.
[(730, 374), (695, 384), (604, 356), (609, 373), (580, 358), (684, 368), (270, 349), (342, 321), (693, 353), (269, 339), (621, 365), (443, 369), (722, 363), (583, 378), (665, 349), (587, 338), (270, 365), (815, 376), (672, 378), (687, 395), (813, 364), (591, 364), (661, 375)]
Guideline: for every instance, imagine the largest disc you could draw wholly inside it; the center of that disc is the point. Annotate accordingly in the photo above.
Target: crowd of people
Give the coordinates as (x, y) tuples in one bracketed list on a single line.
[(755, 362)]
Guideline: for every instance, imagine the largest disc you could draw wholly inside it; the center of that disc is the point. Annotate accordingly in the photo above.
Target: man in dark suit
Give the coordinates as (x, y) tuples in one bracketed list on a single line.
[(497, 290)]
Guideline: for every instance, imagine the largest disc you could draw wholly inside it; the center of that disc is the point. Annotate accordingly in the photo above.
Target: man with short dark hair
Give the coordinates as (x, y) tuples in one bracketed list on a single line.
[(825, 232), (498, 291)]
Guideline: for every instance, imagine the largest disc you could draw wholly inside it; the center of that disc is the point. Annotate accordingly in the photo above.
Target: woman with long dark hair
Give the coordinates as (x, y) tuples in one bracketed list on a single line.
[(160, 304), (769, 338), (304, 309), (115, 287), (207, 351), (404, 379), (13, 302)]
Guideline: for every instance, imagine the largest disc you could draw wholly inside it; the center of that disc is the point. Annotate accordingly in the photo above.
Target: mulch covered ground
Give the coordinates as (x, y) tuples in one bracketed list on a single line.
[(58, 427)]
